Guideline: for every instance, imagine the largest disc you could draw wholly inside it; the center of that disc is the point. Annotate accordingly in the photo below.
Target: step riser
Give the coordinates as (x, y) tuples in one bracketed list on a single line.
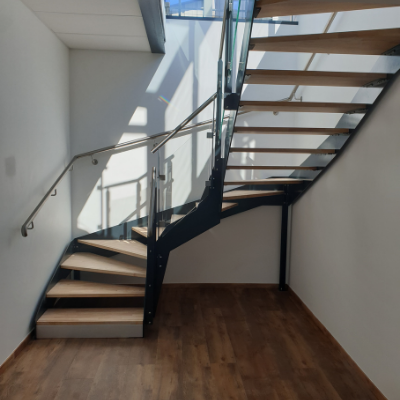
[(89, 331)]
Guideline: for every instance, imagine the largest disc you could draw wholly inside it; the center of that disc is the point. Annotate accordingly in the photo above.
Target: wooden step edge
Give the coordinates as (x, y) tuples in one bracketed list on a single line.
[(88, 262), (291, 131), (273, 167), (248, 194), (315, 78), (66, 288), (290, 151), (365, 42), (140, 230), (225, 206), (127, 247), (228, 206), (270, 8), (302, 106), (264, 182), (92, 316), (143, 231), (176, 217)]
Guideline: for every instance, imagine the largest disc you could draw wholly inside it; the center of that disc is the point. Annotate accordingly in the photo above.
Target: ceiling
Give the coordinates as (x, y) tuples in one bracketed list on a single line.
[(94, 24)]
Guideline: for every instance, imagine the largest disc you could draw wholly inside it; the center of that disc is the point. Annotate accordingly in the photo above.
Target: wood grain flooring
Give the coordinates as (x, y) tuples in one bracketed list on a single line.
[(209, 342)]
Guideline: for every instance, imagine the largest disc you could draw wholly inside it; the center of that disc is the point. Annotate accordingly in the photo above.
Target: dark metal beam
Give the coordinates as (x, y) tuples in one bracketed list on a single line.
[(284, 233), (153, 18)]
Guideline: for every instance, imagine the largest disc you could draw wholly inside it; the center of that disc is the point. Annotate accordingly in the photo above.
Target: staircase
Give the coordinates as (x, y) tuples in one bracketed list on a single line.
[(72, 307)]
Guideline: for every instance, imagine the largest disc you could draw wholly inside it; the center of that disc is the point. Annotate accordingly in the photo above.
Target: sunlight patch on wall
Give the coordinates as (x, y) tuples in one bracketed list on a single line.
[(89, 219), (139, 118), (120, 194), (181, 104), (177, 166)]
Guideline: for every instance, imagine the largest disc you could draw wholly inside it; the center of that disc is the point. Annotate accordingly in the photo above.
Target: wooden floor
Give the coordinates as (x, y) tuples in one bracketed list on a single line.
[(211, 343)]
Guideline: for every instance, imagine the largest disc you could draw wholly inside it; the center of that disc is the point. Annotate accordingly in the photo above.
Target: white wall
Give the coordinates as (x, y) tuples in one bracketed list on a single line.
[(243, 248), (34, 148), (346, 249)]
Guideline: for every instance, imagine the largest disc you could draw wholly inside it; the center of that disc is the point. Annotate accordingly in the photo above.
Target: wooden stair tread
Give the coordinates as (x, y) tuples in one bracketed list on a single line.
[(273, 167), (291, 151), (91, 316), (270, 181), (301, 106), (225, 206), (280, 8), (176, 217), (290, 131), (228, 206), (369, 42), (311, 78), (93, 263), (70, 288), (143, 230), (247, 194), (128, 247)]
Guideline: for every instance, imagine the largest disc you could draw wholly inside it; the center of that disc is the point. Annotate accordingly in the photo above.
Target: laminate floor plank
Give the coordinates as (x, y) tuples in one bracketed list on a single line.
[(77, 389), (54, 373), (111, 376), (208, 342), (218, 342), (93, 350)]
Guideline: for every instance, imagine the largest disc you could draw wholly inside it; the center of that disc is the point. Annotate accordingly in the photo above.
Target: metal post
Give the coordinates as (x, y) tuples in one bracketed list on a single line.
[(149, 306), (218, 136), (284, 232), (228, 49)]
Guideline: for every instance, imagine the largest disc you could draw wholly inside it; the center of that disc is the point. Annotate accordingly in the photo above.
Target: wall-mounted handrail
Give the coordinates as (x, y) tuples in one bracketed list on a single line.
[(185, 122), (28, 224)]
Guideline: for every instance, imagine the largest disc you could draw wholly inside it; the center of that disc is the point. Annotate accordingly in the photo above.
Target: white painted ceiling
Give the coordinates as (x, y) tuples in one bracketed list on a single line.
[(94, 24)]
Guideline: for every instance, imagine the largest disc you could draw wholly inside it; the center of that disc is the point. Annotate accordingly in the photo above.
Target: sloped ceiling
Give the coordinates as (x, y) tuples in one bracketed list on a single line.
[(94, 24)]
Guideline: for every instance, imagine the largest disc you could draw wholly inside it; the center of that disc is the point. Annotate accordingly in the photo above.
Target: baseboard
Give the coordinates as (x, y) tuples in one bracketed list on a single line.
[(222, 285), (374, 390), (15, 353)]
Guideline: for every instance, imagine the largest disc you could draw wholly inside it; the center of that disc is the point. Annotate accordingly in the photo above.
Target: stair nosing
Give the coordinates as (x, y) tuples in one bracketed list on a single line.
[(88, 322), (141, 274), (96, 243), (60, 290)]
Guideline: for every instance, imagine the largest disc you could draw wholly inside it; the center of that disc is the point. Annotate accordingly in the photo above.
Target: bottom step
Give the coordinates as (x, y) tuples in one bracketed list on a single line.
[(90, 323)]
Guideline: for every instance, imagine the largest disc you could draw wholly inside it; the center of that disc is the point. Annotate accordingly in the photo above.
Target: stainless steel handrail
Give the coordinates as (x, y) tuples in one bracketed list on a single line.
[(185, 122), (28, 224)]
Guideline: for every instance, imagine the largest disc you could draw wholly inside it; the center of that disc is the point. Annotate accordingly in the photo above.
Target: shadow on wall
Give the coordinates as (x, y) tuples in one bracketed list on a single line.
[(120, 96)]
